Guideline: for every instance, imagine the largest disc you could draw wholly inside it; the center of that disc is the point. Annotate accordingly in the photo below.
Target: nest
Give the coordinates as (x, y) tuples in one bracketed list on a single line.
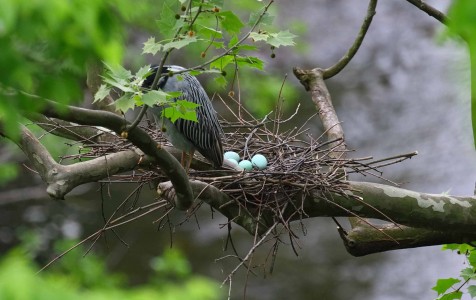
[(299, 164)]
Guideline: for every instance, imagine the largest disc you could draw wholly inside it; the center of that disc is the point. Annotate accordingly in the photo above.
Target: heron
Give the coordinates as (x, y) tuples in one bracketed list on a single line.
[(185, 135)]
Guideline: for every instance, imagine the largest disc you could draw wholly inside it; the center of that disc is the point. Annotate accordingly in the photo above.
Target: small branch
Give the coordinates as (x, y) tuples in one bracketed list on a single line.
[(158, 73), (342, 63), (169, 165), (62, 179), (228, 51), (219, 201), (71, 131), (430, 10)]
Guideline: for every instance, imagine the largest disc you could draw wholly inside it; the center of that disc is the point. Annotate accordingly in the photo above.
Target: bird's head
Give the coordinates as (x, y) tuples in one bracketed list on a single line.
[(163, 80)]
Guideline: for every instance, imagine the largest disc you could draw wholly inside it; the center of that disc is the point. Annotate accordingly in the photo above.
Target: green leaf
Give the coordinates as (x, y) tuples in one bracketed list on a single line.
[(221, 63), (467, 273), (245, 47), (155, 97), (442, 285), (143, 72), (187, 104), (171, 113), (472, 290), (452, 247), (461, 18), (452, 296), (259, 36), (125, 103), (250, 61), (220, 81), (119, 72), (472, 258), (282, 38), (267, 19), (461, 248), (209, 32), (150, 46), (233, 41), (102, 93), (121, 84), (181, 109), (180, 43), (230, 22), (167, 20)]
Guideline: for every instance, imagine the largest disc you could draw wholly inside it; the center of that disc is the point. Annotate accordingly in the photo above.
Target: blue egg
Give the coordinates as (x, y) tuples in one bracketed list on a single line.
[(232, 155), (246, 164), (259, 161)]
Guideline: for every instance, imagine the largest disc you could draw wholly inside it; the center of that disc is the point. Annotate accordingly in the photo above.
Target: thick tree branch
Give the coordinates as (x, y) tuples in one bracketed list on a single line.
[(410, 208), (39, 156), (62, 179), (313, 81), (364, 240), (434, 219)]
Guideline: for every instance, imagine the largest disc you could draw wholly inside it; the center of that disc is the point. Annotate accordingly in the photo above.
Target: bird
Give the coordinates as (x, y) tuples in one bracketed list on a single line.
[(205, 136)]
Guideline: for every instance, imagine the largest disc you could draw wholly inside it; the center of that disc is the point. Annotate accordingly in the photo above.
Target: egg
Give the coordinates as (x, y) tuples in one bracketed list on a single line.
[(246, 164), (259, 161), (232, 155), (233, 163)]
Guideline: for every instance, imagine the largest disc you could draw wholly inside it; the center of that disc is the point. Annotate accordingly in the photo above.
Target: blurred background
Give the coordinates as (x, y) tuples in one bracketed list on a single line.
[(407, 89)]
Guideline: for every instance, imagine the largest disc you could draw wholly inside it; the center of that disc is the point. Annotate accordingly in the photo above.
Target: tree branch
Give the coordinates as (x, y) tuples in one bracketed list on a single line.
[(342, 63), (71, 131), (313, 81), (169, 165), (434, 219), (364, 240), (62, 179), (221, 202), (430, 10), (432, 211)]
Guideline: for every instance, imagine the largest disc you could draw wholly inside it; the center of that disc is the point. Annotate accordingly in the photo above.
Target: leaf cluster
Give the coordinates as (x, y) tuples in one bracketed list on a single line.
[(77, 277), (194, 24), (451, 288)]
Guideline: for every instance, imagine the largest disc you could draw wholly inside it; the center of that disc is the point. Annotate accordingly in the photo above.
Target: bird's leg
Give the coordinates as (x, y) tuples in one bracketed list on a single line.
[(189, 162), (186, 160)]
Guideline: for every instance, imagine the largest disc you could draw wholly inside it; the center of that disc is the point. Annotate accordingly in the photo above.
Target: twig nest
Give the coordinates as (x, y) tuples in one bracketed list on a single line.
[(246, 165), (259, 161), (232, 155)]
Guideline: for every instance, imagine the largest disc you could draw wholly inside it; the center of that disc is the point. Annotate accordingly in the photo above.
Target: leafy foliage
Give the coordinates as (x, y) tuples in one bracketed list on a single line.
[(462, 15), (467, 275), (46, 46), (205, 25), (77, 277)]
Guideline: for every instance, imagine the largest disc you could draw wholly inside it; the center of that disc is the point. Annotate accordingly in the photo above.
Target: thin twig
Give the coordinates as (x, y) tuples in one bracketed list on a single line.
[(342, 63)]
